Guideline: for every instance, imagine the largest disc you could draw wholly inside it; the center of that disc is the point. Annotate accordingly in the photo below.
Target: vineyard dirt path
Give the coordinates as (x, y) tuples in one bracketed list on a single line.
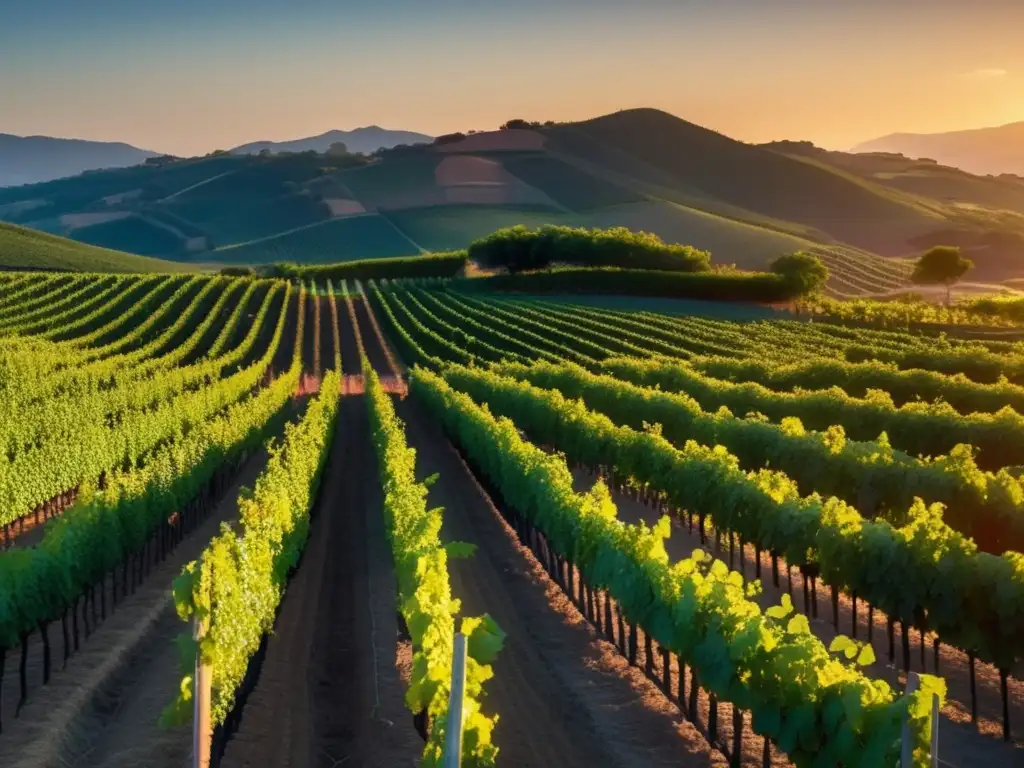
[(563, 696), (329, 691), (286, 349), (103, 709), (960, 744)]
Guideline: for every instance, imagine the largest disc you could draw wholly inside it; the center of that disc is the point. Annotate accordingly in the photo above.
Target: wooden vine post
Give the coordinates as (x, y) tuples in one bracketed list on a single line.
[(907, 754), (453, 735), (202, 731)]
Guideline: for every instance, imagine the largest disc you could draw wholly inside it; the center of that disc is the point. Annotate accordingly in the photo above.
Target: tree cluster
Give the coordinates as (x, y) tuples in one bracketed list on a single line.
[(942, 265), (520, 249), (525, 125), (803, 272)]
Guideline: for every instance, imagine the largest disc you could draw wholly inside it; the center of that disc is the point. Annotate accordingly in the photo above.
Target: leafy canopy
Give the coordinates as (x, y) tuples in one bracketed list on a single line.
[(803, 270), (942, 265)]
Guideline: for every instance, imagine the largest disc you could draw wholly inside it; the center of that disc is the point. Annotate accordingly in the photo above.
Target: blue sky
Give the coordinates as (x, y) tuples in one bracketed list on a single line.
[(191, 76)]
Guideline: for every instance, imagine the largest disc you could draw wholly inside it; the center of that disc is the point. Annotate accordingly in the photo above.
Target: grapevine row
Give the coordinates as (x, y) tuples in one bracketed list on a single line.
[(234, 588), (856, 379), (917, 428), (106, 528), (37, 476), (72, 295), (67, 417), (424, 593), (924, 573), (879, 481), (694, 609)]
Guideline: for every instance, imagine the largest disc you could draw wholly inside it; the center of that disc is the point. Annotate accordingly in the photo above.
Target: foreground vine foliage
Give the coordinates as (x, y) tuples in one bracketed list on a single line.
[(234, 588), (424, 593), (921, 573), (818, 709)]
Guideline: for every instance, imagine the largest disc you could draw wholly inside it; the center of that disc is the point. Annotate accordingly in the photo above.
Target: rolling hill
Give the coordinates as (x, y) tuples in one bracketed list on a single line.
[(751, 178), (642, 169), (32, 159), (986, 213), (923, 177), (992, 151), (23, 248), (361, 140)]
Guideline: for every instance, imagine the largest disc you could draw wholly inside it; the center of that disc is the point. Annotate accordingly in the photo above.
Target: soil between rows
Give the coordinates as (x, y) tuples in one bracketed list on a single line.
[(328, 691), (325, 361), (309, 336), (285, 352), (372, 342)]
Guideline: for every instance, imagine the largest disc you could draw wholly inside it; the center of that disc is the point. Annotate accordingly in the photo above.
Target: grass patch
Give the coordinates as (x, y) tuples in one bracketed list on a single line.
[(567, 185), (346, 239), (131, 234), (384, 183), (452, 227), (23, 248)]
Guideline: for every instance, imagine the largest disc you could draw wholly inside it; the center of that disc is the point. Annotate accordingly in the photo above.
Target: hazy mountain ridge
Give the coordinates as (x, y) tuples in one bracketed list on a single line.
[(33, 159), (364, 140), (992, 151), (643, 169)]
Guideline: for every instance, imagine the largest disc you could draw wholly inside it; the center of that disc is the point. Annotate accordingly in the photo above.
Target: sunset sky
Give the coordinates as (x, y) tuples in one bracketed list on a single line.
[(190, 76)]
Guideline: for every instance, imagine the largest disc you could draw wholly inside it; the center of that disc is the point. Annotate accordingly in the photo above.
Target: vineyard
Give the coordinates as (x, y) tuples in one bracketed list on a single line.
[(257, 513)]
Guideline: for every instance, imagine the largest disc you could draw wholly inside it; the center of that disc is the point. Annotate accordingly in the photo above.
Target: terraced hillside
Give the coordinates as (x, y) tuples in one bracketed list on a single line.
[(642, 169)]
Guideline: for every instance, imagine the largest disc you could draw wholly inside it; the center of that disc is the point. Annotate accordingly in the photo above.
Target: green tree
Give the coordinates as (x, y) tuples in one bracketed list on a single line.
[(518, 124), (450, 138), (804, 271), (942, 265)]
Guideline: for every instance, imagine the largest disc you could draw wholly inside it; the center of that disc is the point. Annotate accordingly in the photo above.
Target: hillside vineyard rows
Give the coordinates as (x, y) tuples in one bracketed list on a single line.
[(669, 539)]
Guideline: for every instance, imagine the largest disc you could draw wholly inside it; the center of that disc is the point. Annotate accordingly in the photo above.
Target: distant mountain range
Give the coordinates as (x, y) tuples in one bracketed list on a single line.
[(34, 159), (362, 140), (983, 150), (31, 159)]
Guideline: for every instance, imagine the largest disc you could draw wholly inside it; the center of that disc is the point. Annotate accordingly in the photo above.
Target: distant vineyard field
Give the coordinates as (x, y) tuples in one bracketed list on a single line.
[(567, 185), (449, 228), (342, 239), (239, 220), (134, 235)]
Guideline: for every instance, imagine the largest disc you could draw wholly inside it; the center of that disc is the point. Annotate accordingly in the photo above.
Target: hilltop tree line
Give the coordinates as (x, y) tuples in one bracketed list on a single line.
[(519, 250), (516, 124)]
